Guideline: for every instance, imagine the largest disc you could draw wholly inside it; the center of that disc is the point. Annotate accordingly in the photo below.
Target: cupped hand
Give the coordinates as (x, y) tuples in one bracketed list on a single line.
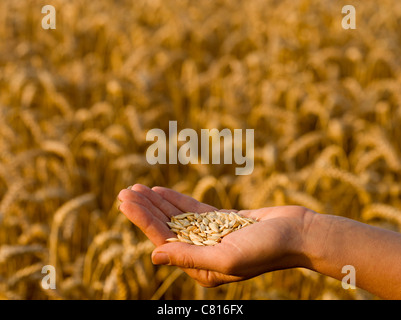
[(275, 242)]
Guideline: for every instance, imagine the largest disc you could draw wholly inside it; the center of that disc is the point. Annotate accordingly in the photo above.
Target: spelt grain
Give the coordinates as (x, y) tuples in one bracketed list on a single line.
[(206, 228)]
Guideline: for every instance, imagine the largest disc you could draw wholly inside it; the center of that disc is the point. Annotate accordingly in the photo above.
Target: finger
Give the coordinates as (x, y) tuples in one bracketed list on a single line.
[(210, 279), (155, 229), (197, 264), (183, 202), (165, 206), (133, 196), (185, 255)]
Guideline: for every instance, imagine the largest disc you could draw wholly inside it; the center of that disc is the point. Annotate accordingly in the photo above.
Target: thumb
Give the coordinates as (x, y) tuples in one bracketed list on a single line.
[(185, 255)]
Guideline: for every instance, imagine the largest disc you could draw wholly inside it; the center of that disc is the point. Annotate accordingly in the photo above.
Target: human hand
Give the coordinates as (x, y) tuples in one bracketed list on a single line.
[(275, 242)]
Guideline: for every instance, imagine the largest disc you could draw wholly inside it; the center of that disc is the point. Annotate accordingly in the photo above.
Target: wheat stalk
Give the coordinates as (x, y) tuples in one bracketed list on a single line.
[(384, 211), (10, 251), (59, 217), (325, 113)]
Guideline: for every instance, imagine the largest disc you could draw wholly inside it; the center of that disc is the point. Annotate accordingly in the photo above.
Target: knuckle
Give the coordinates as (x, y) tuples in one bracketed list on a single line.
[(123, 207), (187, 261), (209, 280), (124, 195)]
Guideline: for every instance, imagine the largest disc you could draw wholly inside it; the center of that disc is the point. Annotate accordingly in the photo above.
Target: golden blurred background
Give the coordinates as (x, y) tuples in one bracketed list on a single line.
[(76, 103)]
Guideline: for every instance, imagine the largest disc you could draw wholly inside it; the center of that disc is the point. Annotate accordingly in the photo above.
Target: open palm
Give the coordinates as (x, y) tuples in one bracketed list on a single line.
[(273, 243)]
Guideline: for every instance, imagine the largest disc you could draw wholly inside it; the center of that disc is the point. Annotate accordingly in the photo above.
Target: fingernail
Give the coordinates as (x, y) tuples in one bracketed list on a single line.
[(161, 258)]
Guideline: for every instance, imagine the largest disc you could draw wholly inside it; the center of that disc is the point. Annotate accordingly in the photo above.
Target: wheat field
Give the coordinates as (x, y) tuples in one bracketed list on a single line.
[(76, 103)]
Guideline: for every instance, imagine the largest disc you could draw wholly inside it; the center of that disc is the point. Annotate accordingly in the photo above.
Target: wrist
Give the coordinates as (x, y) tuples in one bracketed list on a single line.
[(301, 239), (307, 241), (318, 246)]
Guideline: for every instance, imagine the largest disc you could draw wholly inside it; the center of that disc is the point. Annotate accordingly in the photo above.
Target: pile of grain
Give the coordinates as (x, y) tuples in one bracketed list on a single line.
[(206, 229)]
